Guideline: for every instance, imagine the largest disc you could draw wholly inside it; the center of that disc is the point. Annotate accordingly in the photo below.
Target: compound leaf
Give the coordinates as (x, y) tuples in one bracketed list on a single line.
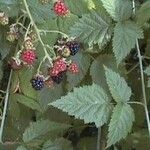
[(125, 35), (89, 103), (120, 124), (40, 128), (93, 28), (118, 87), (119, 10)]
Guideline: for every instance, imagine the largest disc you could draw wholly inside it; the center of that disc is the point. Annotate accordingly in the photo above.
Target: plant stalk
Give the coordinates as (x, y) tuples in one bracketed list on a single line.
[(142, 79), (37, 31), (5, 108)]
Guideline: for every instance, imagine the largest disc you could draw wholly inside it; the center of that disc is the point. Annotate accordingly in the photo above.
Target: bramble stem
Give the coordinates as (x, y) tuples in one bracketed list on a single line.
[(54, 31), (142, 79), (98, 138), (37, 31), (5, 108)]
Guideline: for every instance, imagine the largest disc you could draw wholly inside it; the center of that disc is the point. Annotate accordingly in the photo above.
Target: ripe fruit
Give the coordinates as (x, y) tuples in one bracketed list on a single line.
[(28, 43), (60, 65), (4, 20), (60, 8), (37, 83), (58, 78), (73, 68), (28, 56), (74, 47)]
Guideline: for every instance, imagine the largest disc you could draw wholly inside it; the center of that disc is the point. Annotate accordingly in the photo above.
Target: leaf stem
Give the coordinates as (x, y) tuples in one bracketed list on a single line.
[(142, 79), (54, 31), (5, 108), (37, 31), (138, 103)]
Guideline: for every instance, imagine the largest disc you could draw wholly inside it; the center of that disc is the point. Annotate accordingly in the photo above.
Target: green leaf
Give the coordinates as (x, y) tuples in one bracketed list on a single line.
[(88, 102), (64, 24), (97, 70), (120, 124), (83, 60), (31, 103), (77, 7), (49, 38), (21, 148), (10, 7), (118, 87), (5, 46), (93, 28), (58, 144), (48, 95), (25, 75), (143, 14), (39, 12), (147, 71), (119, 10), (40, 128), (125, 35)]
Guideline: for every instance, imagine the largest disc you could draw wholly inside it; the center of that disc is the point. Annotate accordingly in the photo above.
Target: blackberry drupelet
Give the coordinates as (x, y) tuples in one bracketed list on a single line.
[(37, 83), (74, 47), (58, 78)]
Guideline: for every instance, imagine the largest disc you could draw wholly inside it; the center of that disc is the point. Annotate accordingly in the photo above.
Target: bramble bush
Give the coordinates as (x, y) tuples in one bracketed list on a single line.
[(75, 74)]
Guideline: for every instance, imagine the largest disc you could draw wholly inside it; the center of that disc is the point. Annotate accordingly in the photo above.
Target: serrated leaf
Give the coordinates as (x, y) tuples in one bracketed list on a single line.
[(21, 148), (78, 7), (29, 102), (40, 128), (90, 103), (83, 60), (120, 124), (97, 71), (93, 28), (118, 87), (147, 71), (125, 35), (39, 12), (143, 14), (58, 144), (119, 10), (64, 24)]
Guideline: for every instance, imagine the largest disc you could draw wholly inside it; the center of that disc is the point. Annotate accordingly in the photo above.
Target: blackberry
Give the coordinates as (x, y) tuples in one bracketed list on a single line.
[(37, 83), (74, 47), (58, 78)]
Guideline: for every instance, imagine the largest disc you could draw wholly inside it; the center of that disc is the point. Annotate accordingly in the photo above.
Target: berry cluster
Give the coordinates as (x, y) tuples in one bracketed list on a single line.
[(26, 57), (64, 48), (4, 20), (61, 64), (60, 8)]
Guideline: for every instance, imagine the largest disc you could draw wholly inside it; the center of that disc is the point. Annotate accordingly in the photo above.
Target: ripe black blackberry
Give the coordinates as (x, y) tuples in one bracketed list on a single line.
[(74, 47), (37, 83), (58, 78)]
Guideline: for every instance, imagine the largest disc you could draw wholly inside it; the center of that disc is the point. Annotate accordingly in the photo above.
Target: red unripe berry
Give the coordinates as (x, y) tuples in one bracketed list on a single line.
[(73, 68), (28, 56), (60, 8), (60, 65)]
